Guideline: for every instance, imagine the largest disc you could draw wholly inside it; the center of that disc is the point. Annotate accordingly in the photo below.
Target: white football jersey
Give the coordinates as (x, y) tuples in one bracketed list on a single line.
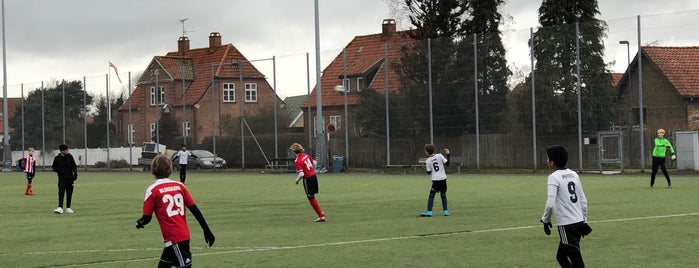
[(435, 165), (566, 198), (182, 156)]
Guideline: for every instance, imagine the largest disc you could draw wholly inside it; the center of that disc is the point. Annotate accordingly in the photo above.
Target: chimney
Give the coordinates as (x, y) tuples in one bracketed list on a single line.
[(388, 27), (182, 45), (214, 40)]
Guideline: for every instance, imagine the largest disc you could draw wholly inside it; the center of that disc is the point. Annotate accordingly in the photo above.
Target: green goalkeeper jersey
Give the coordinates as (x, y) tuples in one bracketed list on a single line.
[(661, 145)]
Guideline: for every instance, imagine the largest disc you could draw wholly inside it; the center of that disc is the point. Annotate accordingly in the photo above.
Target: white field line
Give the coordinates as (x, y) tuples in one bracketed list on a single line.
[(258, 249)]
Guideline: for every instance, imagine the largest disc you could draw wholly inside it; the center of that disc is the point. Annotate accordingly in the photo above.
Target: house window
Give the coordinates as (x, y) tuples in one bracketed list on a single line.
[(185, 129), (152, 131), (132, 133), (634, 116), (360, 83), (336, 120), (346, 84), (250, 92), (153, 96), (228, 92)]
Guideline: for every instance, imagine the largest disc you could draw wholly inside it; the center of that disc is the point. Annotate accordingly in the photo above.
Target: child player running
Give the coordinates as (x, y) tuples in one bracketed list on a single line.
[(305, 168), (435, 166), (168, 200)]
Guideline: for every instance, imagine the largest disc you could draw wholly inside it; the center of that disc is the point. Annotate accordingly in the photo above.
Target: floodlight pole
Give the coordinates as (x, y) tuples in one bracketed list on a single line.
[(157, 106), (320, 137), (6, 150), (184, 109), (640, 97)]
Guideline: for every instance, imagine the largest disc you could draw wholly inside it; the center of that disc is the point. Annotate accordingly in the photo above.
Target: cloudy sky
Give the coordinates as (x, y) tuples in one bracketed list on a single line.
[(72, 39)]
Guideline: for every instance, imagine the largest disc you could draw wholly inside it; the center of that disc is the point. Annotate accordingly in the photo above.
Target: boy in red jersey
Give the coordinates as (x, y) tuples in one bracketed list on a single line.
[(29, 166), (168, 200), (305, 167)]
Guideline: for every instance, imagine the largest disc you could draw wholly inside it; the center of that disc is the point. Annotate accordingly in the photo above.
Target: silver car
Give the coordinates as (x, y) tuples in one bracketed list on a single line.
[(201, 159)]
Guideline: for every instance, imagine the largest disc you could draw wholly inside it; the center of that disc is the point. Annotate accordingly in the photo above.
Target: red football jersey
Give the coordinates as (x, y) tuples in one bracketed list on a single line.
[(304, 163), (169, 200), (29, 163)]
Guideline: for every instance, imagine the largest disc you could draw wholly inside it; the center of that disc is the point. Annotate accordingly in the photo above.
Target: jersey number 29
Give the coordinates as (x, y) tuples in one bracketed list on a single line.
[(175, 204)]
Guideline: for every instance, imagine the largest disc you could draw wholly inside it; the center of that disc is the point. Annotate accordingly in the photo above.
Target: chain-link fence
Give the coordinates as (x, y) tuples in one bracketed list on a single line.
[(386, 95)]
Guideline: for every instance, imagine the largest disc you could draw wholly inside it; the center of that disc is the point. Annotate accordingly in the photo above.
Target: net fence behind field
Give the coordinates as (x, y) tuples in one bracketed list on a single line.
[(495, 100)]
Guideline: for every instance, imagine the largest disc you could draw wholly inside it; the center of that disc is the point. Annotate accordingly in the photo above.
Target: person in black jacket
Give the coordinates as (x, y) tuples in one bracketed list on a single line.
[(64, 165)]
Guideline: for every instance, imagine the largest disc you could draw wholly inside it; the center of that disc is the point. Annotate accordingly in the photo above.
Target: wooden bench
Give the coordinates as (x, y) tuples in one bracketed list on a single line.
[(405, 167), (457, 161), (280, 165)]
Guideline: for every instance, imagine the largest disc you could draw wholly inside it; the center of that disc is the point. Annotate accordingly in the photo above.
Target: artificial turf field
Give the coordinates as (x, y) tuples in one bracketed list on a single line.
[(264, 220)]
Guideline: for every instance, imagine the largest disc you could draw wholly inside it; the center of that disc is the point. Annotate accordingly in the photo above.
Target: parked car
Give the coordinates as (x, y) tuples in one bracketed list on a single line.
[(200, 159)]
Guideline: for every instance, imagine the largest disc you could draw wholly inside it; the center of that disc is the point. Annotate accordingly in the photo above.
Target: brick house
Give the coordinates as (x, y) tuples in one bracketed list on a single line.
[(12, 104), (366, 66), (670, 89), (186, 78)]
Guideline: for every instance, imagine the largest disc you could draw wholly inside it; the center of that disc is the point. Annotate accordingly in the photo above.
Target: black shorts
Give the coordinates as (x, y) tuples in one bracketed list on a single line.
[(572, 233), (310, 185), (439, 186), (177, 254)]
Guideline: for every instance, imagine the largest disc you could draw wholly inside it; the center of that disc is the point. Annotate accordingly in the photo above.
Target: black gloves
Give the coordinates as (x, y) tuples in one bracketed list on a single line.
[(143, 221), (209, 237), (547, 227)]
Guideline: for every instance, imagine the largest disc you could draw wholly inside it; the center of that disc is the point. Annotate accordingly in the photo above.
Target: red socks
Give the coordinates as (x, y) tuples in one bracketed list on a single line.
[(28, 191), (316, 207)]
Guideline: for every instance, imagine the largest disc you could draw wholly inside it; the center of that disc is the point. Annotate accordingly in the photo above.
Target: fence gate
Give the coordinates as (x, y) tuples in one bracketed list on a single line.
[(610, 149)]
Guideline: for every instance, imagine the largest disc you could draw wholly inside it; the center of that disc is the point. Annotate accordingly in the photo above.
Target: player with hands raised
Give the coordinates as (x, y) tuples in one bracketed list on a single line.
[(168, 199)]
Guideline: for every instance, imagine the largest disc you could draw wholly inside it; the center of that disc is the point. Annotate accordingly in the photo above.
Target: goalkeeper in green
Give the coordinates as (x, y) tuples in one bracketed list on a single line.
[(661, 144)]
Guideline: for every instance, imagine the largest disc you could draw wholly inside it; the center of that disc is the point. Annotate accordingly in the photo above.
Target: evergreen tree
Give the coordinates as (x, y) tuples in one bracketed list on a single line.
[(53, 116), (492, 65), (440, 21), (449, 25), (556, 69), (97, 129)]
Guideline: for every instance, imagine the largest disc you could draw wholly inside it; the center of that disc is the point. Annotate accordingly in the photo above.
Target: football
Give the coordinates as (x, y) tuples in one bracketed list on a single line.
[(340, 88)]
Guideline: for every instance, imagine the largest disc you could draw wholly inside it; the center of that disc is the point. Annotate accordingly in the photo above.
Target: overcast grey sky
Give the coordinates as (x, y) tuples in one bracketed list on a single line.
[(49, 39)]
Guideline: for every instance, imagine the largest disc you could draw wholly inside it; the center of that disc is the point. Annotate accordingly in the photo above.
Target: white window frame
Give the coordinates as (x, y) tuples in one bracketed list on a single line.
[(186, 128), (228, 91), (250, 92), (152, 95), (360, 83), (132, 133), (152, 130), (347, 84), (336, 120)]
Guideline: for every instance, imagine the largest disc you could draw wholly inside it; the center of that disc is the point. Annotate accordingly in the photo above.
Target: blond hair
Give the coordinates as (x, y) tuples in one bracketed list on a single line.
[(161, 167), (296, 148), (660, 130)]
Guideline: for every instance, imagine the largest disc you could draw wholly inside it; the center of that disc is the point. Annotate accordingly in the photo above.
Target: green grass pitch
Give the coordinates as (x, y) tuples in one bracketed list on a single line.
[(264, 220)]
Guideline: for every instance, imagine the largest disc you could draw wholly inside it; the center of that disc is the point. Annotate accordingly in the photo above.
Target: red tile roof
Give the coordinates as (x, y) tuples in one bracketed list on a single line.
[(12, 104), (680, 65), (364, 53), (616, 77), (196, 68)]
